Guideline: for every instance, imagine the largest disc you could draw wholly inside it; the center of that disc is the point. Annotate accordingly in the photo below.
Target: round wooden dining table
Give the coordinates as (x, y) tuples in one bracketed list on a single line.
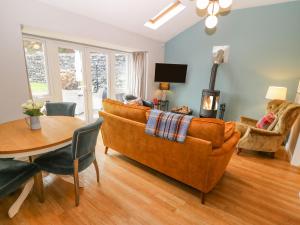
[(17, 140)]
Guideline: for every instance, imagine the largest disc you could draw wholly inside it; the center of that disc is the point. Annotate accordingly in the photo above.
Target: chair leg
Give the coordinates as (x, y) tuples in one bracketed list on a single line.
[(202, 198), (39, 186), (238, 151), (76, 182), (97, 170), (106, 149)]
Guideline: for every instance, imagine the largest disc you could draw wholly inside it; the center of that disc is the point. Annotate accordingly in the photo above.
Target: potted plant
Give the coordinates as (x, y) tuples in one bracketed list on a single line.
[(33, 110)]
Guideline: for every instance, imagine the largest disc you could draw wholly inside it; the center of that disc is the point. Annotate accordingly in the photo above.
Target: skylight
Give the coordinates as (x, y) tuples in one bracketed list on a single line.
[(165, 15)]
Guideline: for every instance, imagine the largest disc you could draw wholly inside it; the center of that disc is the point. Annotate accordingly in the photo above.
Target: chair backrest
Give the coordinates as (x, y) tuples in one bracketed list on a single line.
[(60, 108), (286, 112), (286, 119), (85, 139)]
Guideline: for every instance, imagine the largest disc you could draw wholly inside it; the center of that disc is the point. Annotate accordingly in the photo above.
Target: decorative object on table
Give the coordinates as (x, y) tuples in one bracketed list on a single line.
[(278, 93), (155, 103), (185, 110), (74, 158), (169, 73), (213, 8), (60, 108), (167, 125), (210, 97), (163, 105), (33, 110), (271, 139), (293, 144)]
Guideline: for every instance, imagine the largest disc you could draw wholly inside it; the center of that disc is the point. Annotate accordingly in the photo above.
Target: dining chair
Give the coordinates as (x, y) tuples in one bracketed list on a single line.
[(60, 108), (74, 158), (13, 174)]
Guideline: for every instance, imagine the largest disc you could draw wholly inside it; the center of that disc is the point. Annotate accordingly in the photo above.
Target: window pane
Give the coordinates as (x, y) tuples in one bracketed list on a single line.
[(99, 71), (71, 77), (121, 71), (36, 67)]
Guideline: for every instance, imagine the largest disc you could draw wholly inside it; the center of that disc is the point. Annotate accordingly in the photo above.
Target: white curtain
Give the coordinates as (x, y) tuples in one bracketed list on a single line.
[(138, 75)]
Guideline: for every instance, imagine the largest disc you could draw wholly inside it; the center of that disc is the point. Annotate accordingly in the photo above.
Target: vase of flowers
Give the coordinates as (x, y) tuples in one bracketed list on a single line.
[(33, 110)]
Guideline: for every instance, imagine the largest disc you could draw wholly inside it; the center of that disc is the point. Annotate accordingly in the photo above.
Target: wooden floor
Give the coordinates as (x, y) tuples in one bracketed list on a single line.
[(254, 190)]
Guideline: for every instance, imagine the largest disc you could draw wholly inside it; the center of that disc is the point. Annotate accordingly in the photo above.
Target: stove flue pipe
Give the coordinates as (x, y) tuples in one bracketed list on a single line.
[(218, 59)]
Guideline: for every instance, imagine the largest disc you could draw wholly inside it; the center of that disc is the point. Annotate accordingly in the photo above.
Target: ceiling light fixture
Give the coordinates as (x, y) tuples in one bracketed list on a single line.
[(165, 15), (213, 8)]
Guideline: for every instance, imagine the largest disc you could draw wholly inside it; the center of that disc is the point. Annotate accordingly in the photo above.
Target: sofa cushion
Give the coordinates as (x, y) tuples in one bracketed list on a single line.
[(229, 130), (208, 129), (133, 112)]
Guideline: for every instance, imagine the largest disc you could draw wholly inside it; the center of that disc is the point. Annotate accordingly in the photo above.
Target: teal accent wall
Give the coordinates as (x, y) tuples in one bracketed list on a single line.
[(264, 50)]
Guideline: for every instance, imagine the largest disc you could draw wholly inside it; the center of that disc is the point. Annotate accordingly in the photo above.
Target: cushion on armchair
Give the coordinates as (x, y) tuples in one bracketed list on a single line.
[(266, 121)]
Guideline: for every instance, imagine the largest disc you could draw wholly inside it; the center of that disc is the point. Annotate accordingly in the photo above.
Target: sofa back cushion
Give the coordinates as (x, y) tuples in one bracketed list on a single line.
[(208, 129), (132, 112)]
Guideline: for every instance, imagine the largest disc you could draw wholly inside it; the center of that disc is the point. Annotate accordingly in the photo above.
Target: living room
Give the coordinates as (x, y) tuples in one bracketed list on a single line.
[(188, 111)]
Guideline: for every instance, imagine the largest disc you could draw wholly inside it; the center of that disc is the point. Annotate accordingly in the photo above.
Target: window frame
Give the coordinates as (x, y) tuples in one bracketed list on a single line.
[(49, 81)]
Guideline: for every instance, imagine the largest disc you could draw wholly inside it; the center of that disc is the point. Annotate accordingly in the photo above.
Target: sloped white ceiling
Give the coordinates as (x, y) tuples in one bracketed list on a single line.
[(131, 15)]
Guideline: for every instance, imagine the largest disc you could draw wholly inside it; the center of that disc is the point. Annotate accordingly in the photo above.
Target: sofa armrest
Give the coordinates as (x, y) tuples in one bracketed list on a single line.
[(248, 121), (219, 159)]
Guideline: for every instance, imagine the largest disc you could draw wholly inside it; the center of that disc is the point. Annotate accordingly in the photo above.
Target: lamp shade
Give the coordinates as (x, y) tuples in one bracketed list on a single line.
[(276, 93), (164, 86)]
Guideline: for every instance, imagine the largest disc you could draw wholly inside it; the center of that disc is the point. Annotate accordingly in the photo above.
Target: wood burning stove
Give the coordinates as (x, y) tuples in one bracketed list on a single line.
[(211, 97)]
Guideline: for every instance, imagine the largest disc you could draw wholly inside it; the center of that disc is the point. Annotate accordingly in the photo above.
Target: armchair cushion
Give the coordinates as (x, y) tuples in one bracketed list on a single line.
[(13, 174), (266, 121)]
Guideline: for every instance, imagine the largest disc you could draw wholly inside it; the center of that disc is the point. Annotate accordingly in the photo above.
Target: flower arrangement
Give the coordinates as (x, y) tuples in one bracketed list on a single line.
[(32, 108)]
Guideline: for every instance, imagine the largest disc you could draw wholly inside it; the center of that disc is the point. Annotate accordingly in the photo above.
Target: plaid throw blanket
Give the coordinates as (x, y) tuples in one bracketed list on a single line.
[(168, 125)]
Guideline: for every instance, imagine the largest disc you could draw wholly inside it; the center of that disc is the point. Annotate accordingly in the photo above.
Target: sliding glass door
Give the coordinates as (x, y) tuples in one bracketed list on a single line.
[(62, 71), (98, 70), (71, 78)]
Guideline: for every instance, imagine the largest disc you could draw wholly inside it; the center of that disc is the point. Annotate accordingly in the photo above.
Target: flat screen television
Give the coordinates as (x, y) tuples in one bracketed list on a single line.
[(171, 73)]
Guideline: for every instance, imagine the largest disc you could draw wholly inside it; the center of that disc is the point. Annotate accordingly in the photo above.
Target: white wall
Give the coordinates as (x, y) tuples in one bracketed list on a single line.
[(14, 13)]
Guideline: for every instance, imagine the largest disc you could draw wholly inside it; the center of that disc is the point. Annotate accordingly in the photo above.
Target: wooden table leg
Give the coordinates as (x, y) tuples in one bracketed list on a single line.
[(14, 209)]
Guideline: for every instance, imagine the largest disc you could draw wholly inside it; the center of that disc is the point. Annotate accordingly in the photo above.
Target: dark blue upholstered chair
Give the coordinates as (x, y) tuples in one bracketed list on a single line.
[(13, 174), (60, 108), (74, 158)]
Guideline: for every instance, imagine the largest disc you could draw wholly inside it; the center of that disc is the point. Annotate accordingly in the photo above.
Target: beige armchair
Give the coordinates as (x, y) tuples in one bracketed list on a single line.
[(269, 140)]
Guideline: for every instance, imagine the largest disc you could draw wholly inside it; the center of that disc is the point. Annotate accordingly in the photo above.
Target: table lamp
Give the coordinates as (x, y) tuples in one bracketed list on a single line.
[(164, 87), (278, 93)]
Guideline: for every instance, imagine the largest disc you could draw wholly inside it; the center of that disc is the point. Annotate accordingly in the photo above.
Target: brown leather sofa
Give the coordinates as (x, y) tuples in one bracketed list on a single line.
[(199, 162)]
